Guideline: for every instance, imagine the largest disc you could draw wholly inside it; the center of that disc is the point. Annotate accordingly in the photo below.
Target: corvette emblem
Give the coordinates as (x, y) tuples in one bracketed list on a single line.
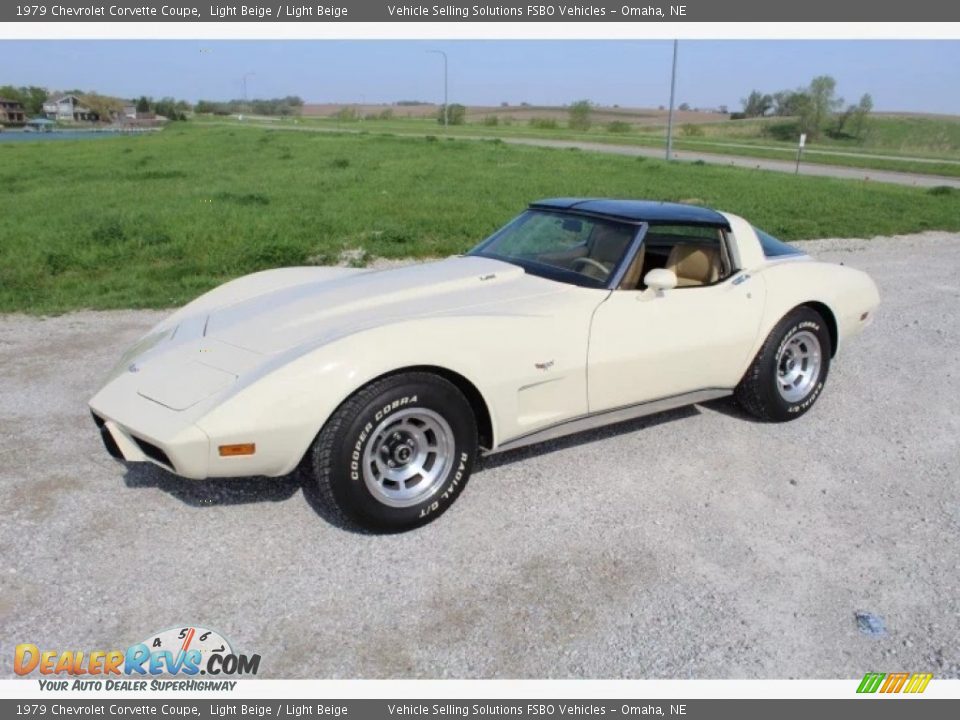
[(134, 368), (544, 365)]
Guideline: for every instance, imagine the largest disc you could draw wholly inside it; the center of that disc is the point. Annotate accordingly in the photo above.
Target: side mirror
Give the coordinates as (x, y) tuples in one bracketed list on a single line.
[(660, 279)]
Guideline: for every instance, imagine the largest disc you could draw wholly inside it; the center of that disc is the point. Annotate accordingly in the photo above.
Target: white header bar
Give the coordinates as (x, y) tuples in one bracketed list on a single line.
[(481, 31)]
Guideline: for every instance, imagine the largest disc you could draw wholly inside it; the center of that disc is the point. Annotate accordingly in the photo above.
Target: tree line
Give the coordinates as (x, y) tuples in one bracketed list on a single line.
[(31, 97), (289, 105), (817, 107)]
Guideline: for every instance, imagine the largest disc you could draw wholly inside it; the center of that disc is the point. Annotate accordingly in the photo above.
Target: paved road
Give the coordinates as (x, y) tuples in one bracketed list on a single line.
[(787, 166), (824, 151), (692, 544)]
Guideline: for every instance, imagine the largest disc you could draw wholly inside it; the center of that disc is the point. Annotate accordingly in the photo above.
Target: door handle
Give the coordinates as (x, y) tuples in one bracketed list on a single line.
[(739, 279)]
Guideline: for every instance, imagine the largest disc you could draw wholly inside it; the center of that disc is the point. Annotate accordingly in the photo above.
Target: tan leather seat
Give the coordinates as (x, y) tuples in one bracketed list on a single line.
[(694, 265), (631, 281), (607, 245)]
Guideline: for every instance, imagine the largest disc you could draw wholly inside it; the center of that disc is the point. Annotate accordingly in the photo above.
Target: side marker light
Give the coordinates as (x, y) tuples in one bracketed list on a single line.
[(240, 449)]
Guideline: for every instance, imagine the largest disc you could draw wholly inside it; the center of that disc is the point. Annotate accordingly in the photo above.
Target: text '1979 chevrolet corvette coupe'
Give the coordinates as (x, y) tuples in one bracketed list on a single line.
[(383, 385)]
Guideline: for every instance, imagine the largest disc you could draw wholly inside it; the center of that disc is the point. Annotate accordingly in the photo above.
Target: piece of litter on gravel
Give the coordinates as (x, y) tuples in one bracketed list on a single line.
[(870, 624)]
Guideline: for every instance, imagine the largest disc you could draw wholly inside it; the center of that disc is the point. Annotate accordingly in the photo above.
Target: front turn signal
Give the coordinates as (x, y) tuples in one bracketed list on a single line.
[(240, 449)]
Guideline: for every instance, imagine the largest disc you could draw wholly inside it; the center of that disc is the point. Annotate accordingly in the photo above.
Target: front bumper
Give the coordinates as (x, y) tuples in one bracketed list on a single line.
[(136, 429), (188, 456), (152, 406)]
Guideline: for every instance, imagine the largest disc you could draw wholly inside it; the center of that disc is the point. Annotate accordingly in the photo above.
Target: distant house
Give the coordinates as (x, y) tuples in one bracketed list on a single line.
[(68, 107), (129, 115), (12, 112)]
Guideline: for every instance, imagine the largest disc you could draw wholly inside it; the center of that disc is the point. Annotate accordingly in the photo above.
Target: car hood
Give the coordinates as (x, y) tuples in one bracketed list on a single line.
[(312, 312)]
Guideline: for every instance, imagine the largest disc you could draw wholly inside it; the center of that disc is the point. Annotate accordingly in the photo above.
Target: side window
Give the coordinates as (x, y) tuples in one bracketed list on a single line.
[(696, 254), (773, 247)]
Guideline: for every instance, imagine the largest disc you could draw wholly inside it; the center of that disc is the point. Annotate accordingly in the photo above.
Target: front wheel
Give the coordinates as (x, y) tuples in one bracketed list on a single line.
[(788, 373), (397, 453)]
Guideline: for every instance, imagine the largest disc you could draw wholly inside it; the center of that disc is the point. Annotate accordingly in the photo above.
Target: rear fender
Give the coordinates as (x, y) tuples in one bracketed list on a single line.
[(846, 293)]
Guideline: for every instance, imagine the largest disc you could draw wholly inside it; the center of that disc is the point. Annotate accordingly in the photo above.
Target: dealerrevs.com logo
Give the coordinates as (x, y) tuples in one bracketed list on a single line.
[(892, 683), (185, 652)]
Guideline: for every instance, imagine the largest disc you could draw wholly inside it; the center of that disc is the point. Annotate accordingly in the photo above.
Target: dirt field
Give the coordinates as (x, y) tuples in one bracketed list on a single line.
[(697, 543), (476, 113)]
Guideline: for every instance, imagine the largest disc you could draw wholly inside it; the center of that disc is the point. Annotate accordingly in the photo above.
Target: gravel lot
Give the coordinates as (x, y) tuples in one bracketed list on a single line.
[(692, 544)]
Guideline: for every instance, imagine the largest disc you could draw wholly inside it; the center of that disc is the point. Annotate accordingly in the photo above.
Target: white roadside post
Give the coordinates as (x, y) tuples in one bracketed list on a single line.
[(803, 141)]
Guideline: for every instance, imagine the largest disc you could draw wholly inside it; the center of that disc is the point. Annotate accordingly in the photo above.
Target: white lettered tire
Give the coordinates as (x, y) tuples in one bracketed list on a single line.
[(397, 453), (789, 372)]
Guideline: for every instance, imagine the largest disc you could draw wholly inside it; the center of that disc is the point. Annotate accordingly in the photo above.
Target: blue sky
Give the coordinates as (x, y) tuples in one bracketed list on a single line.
[(901, 75)]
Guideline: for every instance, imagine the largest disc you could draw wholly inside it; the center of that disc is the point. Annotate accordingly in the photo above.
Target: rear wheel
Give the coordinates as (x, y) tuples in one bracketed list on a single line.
[(397, 453), (787, 375)]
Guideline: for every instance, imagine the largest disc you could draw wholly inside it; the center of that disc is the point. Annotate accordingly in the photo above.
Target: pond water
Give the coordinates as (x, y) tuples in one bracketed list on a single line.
[(21, 136)]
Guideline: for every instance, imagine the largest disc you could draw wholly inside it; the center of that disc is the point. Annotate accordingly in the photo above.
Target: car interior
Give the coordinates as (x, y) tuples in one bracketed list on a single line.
[(696, 255), (594, 250)]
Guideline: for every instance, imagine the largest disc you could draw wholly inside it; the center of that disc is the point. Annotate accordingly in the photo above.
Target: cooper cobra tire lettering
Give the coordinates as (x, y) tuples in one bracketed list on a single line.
[(387, 409), (357, 450)]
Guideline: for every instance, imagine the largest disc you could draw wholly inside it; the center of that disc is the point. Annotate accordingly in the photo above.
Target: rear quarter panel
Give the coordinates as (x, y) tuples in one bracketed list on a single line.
[(846, 292), (791, 281)]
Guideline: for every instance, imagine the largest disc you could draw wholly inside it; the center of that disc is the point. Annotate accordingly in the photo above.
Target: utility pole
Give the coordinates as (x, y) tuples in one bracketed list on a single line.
[(446, 104), (245, 76), (673, 90)]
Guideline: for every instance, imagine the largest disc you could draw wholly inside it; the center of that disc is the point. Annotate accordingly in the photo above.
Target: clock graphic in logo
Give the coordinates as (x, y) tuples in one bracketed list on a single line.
[(180, 640)]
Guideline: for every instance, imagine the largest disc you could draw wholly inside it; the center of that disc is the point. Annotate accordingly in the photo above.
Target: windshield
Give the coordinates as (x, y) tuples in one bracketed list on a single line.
[(561, 246)]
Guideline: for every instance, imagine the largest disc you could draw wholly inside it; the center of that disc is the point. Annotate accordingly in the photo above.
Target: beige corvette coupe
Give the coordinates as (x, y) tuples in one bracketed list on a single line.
[(382, 386)]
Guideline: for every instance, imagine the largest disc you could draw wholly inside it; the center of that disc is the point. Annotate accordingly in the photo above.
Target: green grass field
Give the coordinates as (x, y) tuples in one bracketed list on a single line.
[(153, 221)]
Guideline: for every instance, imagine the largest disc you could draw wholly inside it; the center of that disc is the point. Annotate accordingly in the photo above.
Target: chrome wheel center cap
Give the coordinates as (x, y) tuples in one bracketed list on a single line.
[(403, 453), (398, 450)]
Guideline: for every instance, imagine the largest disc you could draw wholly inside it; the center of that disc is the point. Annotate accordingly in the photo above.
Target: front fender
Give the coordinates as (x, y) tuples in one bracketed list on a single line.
[(286, 405)]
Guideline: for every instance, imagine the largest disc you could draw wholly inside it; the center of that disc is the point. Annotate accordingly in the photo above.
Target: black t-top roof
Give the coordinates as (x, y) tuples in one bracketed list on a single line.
[(651, 211)]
